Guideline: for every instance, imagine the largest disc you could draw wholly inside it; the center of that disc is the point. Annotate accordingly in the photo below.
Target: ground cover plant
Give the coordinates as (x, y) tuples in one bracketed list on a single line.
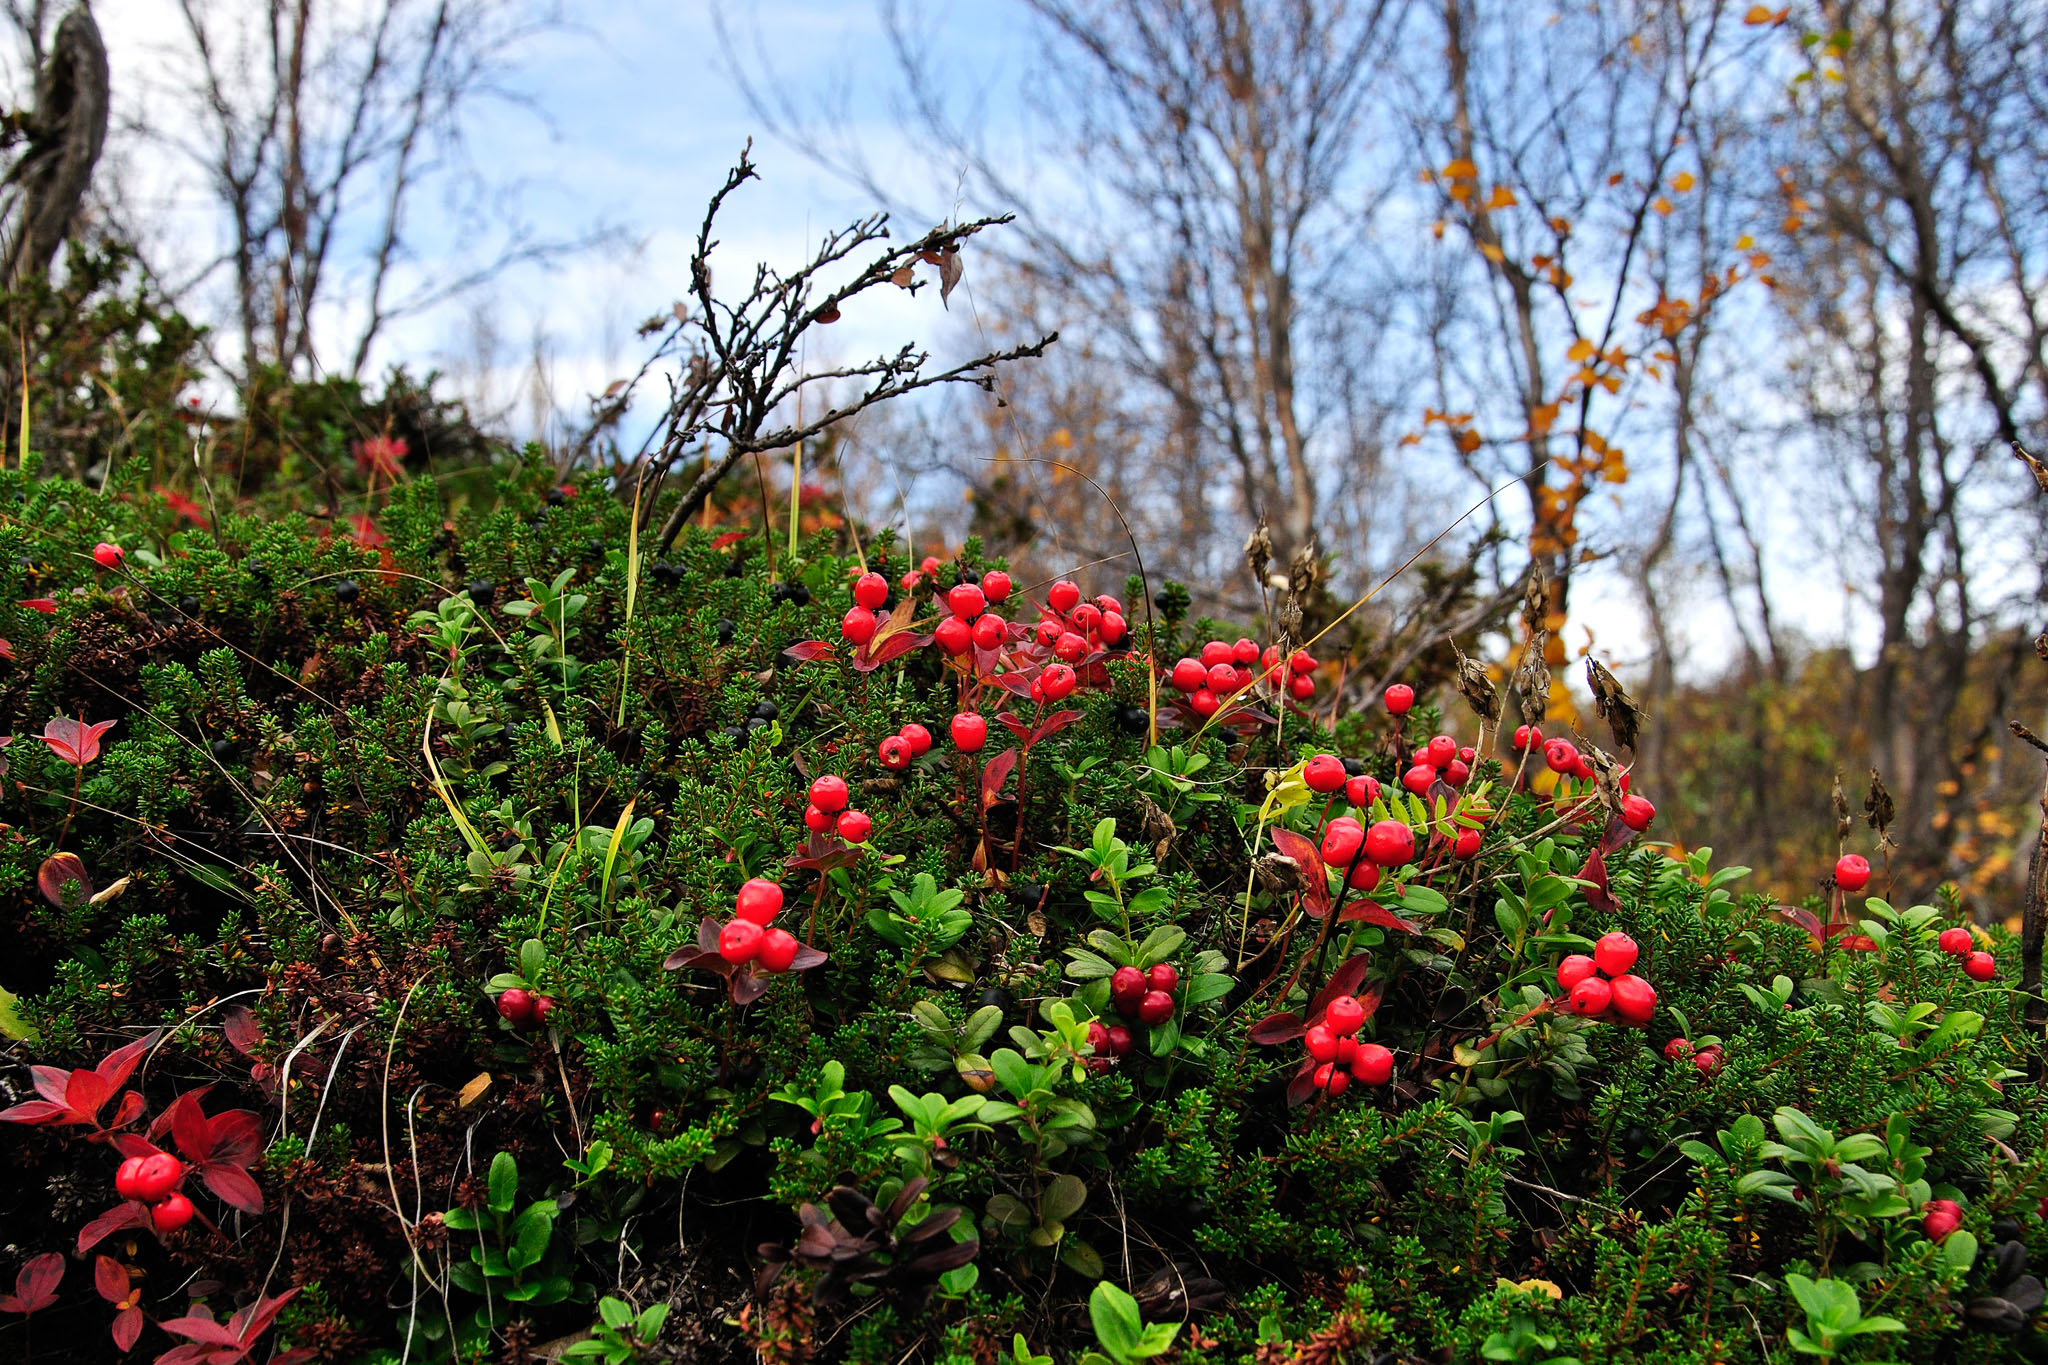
[(472, 936)]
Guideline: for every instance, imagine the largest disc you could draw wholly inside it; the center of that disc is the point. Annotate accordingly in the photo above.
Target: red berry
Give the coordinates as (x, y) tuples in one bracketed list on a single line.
[(1940, 1217), (108, 556), (1321, 1043), (515, 1005), (918, 738), (1188, 675), (1467, 845), (910, 580), (930, 566), (1109, 602), (124, 1178), (1466, 753), (1375, 1065), (1635, 999), (1086, 618), (1049, 631), (990, 631), (1707, 1063), (1098, 1037), (1528, 737), (1581, 769), (739, 941), (1205, 703), (1399, 698), (1155, 1008), (759, 901), (1637, 813), (1419, 778), (1956, 942), (1362, 791), (817, 821), (1440, 752), (1363, 876), (1127, 985), (543, 1006), (858, 626), (1301, 661), (970, 732), (1221, 677), (1390, 843), (953, 635), (1457, 773), (1852, 872), (172, 1214), (1245, 652), (778, 950), (1344, 1015), (1324, 773), (1064, 596), (1614, 953), (995, 585), (828, 794), (1342, 840), (1347, 1052), (870, 590), (1059, 680), (1301, 687), (1980, 966), (1218, 654), (1574, 969), (1329, 1077), (1119, 1040), (894, 753), (1561, 755), (965, 600), (158, 1175), (1677, 1048), (855, 826), (1591, 996), (1113, 627), (1162, 976), (1269, 656), (1070, 647)]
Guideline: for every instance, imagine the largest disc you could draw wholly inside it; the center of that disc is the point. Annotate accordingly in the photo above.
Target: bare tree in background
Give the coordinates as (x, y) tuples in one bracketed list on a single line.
[(62, 134), (315, 126)]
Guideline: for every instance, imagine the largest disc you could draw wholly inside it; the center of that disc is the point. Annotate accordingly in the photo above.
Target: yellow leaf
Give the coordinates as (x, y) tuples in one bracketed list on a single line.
[(1758, 14), (1501, 198), (474, 1091), (1461, 169), (1491, 252), (12, 1025), (1682, 182), (1411, 439), (1744, 242), (1582, 349), (1661, 204), (1542, 418), (1436, 229)]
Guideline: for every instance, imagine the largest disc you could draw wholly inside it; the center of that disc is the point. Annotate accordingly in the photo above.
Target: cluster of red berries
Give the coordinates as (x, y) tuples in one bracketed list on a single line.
[(1073, 629), (1442, 757), (897, 750), (1706, 1060), (1109, 1041), (1957, 943), (1333, 1045), (1145, 993), (969, 623), (1224, 671), (154, 1180), (828, 812), (524, 1009), (749, 937), (1327, 773), (1940, 1217), (1601, 986), (1562, 757), (870, 591)]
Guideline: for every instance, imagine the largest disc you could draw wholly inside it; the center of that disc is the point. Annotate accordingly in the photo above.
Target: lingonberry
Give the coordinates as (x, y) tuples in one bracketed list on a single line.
[(759, 901), (953, 635), (1591, 996), (1677, 1049), (172, 1214), (1342, 840), (965, 600), (1980, 966), (854, 826), (918, 738), (1614, 953), (970, 732), (1344, 1015), (778, 950), (828, 794), (1363, 876), (1561, 755), (1375, 1065), (1466, 753), (894, 753), (1637, 813), (158, 1175), (124, 1177), (857, 626), (995, 585), (1324, 773), (1059, 680), (1063, 596), (1635, 999), (1162, 976), (1940, 1217), (1332, 1078), (1301, 661), (817, 821), (1390, 843), (1155, 1008), (515, 1006), (1456, 773), (1575, 969), (1098, 1037), (739, 941), (543, 1006), (1467, 845), (108, 556), (1955, 942), (1188, 675), (1852, 872), (1321, 1043), (1245, 652), (1127, 985), (1527, 737), (1119, 1040), (1215, 653), (1070, 647), (1113, 627), (990, 631), (1440, 751), (1707, 1063), (1399, 698), (1301, 687), (1581, 769), (1205, 703), (1362, 791), (870, 590), (1221, 678), (1418, 779)]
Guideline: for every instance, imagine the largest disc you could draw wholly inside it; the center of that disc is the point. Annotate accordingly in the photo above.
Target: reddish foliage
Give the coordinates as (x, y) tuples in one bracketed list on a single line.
[(35, 1287)]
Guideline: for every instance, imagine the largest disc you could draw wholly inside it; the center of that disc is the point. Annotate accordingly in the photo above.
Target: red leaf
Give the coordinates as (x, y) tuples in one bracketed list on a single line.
[(117, 1066), (242, 1031), (237, 1137), (253, 1321), (1315, 883), (1595, 872), (1275, 1029), (75, 741), (190, 1130), (995, 773), (809, 651), (895, 647), (1303, 1086), (126, 1110), (110, 1277), (124, 1215), (1344, 981), (34, 1111), (1372, 912), (35, 1287), (1016, 684), (729, 538), (87, 1094), (59, 868), (127, 1328), (808, 957), (198, 1328), (130, 1144), (1053, 724), (746, 987), (234, 1185)]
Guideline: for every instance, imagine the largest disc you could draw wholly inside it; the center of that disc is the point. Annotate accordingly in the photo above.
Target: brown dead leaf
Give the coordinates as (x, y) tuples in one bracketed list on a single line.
[(474, 1091), (949, 272), (903, 277)]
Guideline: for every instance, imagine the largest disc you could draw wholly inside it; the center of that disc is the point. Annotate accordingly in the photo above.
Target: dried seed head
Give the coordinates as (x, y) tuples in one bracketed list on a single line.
[(1606, 777), (1535, 601), (1842, 821), (1877, 805), (1258, 551), (1479, 690), (1532, 678), (1306, 569), (1623, 716)]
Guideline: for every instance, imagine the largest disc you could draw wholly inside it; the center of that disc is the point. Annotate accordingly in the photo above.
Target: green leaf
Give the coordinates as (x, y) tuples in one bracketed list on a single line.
[(616, 1313), (1114, 1315), (1062, 1198), (1958, 1252), (1161, 944), (530, 1234), (502, 1185)]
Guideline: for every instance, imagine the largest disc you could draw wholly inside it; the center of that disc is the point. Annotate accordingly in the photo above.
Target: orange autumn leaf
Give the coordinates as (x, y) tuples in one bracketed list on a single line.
[(1661, 204), (1682, 182), (1461, 169), (1582, 349), (1501, 198), (1542, 418), (1492, 252)]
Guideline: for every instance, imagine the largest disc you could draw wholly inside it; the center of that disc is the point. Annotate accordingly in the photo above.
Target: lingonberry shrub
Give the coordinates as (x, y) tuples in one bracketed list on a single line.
[(1332, 1025)]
